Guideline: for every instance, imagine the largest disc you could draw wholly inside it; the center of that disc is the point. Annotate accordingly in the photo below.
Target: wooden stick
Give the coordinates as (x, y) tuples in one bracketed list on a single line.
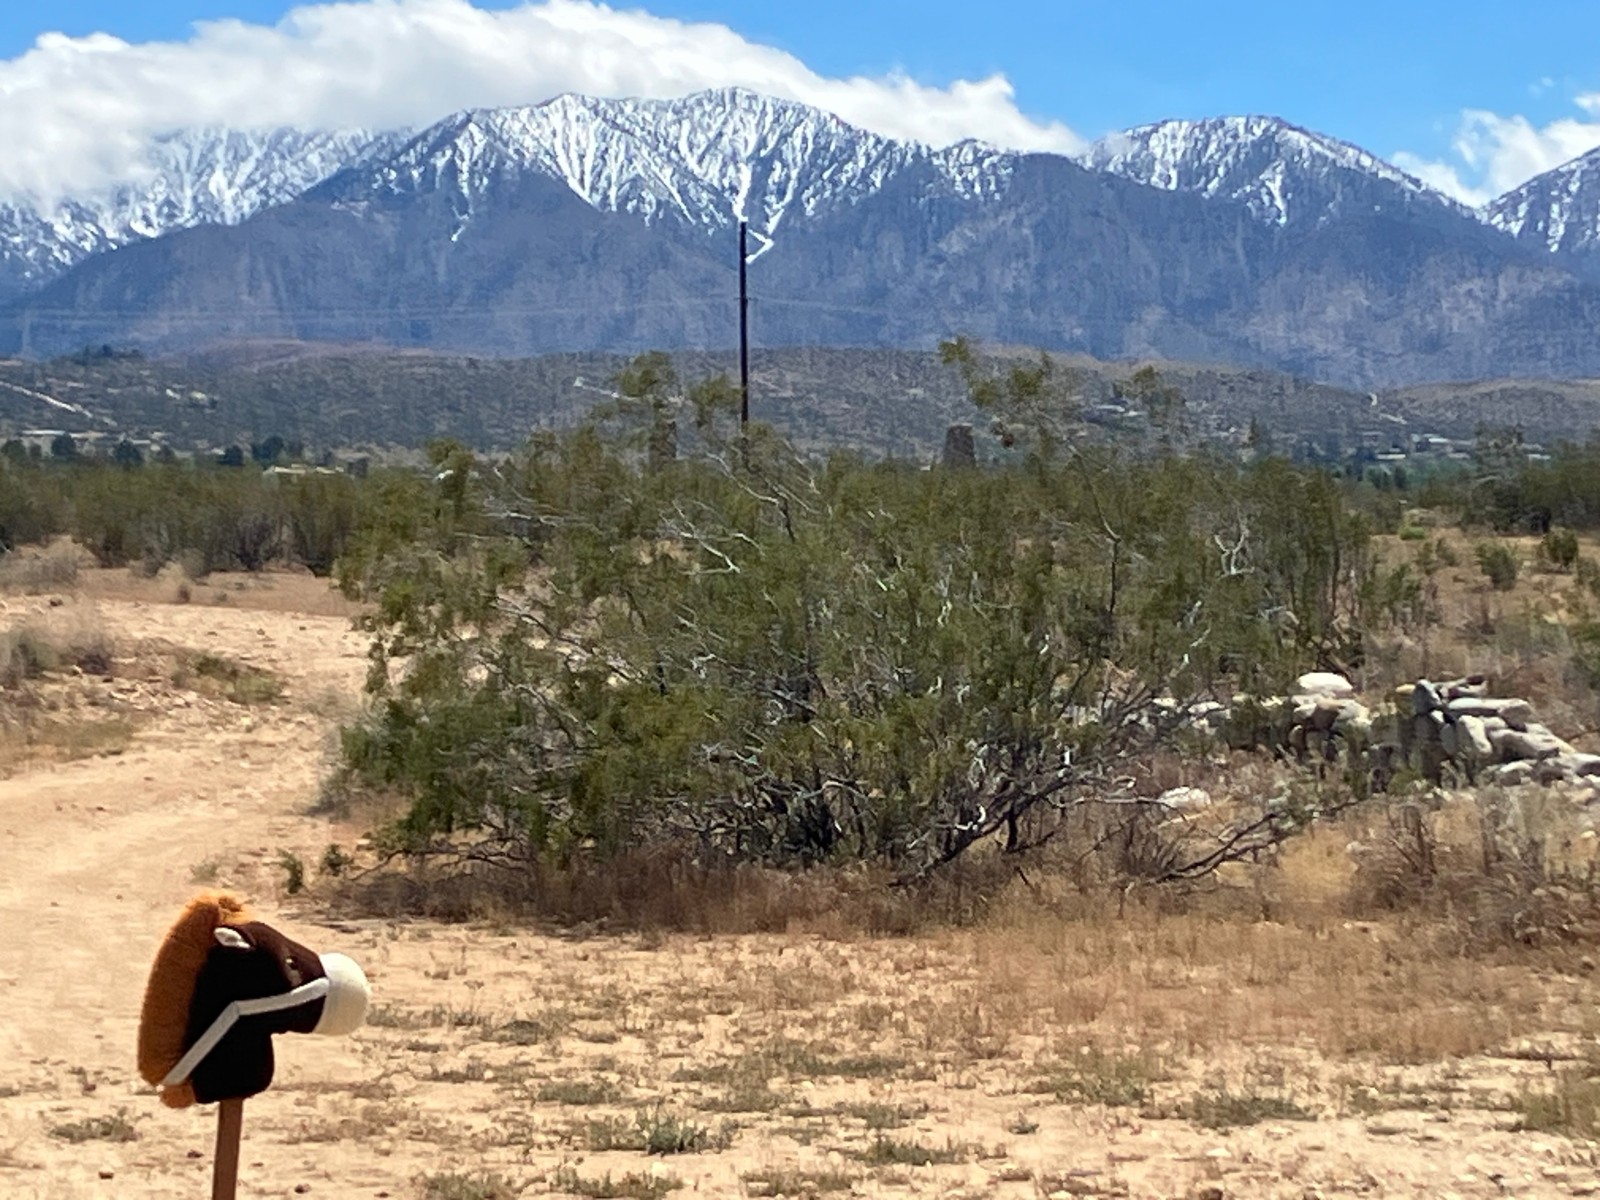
[(225, 1169)]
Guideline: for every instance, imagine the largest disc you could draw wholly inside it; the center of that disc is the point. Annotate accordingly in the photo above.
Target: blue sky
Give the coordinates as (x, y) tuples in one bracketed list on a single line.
[(1396, 78)]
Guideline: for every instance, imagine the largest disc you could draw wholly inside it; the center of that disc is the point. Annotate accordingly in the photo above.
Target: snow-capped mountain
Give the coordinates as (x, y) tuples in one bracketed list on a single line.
[(583, 223), (1283, 174), (1558, 211), (203, 176), (706, 160)]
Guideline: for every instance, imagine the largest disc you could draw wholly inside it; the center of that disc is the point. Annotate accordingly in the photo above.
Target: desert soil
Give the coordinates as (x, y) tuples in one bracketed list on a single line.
[(504, 1061)]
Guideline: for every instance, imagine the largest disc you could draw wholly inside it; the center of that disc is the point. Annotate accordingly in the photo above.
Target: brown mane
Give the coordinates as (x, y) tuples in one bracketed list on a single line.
[(165, 1014)]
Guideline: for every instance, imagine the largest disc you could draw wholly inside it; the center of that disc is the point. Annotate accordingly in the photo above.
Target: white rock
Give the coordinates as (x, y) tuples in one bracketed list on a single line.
[(1185, 797), (1472, 739), (1515, 745), (1515, 713), (1324, 683)]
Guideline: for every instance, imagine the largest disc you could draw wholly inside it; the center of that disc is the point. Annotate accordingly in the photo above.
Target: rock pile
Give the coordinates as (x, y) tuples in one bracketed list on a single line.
[(1487, 739), (1429, 728)]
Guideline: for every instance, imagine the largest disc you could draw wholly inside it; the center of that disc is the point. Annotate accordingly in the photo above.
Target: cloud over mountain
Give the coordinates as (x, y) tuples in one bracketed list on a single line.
[(1494, 153), (79, 113)]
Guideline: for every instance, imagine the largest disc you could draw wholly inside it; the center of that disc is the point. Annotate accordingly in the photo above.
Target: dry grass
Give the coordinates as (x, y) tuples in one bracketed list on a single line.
[(478, 1185), (38, 569), (277, 591), (52, 708), (226, 678), (791, 1181), (631, 1186), (52, 641), (1570, 1106), (1520, 638)]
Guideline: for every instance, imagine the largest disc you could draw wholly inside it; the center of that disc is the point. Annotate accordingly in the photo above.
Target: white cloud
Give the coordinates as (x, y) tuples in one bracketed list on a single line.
[(1492, 154), (1444, 177), (77, 113)]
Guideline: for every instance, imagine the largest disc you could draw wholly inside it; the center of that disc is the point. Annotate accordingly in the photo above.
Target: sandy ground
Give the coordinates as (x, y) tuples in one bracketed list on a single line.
[(502, 1062)]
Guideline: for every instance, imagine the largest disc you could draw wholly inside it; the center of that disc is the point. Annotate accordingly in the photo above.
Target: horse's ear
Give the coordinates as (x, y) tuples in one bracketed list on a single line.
[(231, 939)]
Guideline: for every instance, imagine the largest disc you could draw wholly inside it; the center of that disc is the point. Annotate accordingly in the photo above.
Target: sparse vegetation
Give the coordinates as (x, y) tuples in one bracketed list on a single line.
[(115, 1127), (49, 568), (478, 1185), (205, 871), (891, 1151), (837, 1054), (228, 679), (1095, 1077), (793, 1182), (1571, 1106), (294, 872), (1222, 1108), (632, 1186), (32, 650), (654, 1131), (578, 1092)]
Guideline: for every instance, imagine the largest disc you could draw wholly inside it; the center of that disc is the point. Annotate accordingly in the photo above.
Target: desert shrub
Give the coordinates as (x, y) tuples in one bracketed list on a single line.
[(1493, 868), (1559, 548), (53, 567), (1587, 572), (1498, 562), (25, 654), (771, 659), (32, 650)]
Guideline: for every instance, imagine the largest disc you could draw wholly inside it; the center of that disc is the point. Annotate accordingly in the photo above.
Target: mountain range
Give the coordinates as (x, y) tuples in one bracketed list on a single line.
[(584, 224)]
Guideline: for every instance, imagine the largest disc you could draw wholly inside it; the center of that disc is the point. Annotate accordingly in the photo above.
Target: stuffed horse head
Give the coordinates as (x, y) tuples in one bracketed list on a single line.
[(221, 987)]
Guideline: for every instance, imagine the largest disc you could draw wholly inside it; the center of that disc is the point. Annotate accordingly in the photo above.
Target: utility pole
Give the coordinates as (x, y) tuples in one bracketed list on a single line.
[(744, 328)]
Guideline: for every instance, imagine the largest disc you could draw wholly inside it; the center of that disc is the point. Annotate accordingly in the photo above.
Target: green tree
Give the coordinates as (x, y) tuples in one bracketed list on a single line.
[(1033, 403)]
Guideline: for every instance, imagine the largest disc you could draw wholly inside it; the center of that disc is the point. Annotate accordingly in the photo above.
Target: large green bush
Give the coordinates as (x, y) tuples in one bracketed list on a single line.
[(765, 658)]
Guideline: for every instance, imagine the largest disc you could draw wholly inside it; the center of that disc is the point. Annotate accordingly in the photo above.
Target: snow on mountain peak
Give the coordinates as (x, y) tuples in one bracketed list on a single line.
[(708, 159), (1558, 211), (1261, 162), (199, 176)]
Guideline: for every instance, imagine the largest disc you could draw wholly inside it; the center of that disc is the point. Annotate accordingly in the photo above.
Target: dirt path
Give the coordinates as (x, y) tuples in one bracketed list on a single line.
[(501, 1062), (96, 856)]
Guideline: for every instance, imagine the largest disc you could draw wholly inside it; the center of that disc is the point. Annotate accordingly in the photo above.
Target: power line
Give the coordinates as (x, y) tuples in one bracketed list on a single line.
[(478, 311)]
